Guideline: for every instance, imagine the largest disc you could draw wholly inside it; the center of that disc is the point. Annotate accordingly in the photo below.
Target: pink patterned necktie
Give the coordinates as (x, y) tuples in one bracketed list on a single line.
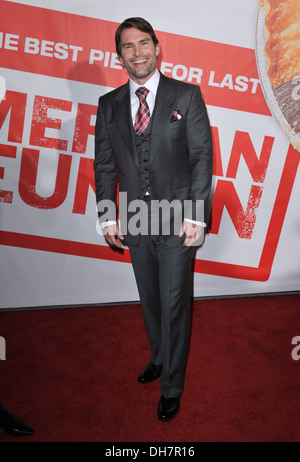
[(143, 114)]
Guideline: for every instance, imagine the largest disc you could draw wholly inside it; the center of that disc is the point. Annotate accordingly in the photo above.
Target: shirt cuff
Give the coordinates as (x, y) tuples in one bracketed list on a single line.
[(200, 223), (105, 224)]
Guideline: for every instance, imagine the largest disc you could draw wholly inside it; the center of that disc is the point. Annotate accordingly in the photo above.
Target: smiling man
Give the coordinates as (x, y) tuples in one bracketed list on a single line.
[(153, 134)]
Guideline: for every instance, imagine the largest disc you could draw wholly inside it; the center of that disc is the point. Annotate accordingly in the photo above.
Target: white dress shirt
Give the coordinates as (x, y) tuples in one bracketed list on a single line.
[(151, 85)]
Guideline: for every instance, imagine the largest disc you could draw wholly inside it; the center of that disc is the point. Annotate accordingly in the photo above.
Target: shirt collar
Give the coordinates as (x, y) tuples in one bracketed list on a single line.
[(151, 84)]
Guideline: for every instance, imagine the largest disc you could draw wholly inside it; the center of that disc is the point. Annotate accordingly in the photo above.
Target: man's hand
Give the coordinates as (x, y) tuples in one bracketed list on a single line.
[(113, 235), (194, 234)]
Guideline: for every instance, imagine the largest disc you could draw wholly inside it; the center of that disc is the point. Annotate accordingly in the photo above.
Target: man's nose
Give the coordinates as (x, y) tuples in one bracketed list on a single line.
[(136, 50)]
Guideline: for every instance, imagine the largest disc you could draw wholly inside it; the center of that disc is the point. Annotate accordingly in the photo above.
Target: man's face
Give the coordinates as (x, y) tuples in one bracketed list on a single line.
[(138, 54)]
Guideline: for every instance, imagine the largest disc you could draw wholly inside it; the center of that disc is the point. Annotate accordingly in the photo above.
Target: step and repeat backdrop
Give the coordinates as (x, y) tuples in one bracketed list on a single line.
[(58, 57)]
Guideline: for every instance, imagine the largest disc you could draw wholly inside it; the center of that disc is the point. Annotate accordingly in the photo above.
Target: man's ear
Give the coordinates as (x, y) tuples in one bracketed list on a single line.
[(157, 49), (120, 59)]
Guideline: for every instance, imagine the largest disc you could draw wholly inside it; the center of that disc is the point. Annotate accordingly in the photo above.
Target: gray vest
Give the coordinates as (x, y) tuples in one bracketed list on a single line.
[(142, 143)]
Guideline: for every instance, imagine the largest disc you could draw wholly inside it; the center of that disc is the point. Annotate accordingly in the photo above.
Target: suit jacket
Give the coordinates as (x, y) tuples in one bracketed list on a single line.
[(180, 165)]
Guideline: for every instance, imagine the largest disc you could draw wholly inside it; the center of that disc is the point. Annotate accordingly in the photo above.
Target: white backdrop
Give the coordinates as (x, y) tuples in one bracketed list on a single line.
[(51, 253)]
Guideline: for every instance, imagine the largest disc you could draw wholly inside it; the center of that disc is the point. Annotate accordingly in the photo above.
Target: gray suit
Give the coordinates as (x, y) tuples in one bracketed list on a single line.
[(180, 167)]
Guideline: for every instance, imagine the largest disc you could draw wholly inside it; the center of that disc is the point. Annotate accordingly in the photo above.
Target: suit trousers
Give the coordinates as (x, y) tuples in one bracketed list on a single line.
[(163, 276)]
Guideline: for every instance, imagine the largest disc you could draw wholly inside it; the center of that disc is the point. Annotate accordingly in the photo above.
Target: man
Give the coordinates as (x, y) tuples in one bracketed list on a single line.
[(158, 142)]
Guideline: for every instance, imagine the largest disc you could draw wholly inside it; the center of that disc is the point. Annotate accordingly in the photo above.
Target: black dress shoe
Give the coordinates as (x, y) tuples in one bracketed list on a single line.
[(150, 373), (14, 426), (168, 408)]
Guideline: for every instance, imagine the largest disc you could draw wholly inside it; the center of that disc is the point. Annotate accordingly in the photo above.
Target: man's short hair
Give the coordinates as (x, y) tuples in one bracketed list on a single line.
[(138, 23)]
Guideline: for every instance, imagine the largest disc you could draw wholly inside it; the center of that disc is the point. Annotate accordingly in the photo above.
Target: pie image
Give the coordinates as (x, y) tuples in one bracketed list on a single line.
[(278, 62), (282, 40)]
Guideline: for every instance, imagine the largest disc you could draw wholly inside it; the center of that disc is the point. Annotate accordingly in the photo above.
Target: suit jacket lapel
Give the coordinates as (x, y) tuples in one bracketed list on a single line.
[(165, 103), (122, 113)]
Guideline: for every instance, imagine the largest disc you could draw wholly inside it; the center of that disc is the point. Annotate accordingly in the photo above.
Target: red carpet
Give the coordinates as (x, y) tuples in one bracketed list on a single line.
[(71, 374)]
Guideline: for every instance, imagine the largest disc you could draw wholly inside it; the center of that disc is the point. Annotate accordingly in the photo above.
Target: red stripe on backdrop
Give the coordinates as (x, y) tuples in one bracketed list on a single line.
[(80, 48), (50, 244)]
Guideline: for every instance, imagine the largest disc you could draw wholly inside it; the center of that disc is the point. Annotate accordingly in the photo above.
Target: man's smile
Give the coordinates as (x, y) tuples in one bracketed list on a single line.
[(140, 61)]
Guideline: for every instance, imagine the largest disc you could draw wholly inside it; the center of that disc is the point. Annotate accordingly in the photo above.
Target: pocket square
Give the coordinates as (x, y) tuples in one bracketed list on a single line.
[(176, 115)]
